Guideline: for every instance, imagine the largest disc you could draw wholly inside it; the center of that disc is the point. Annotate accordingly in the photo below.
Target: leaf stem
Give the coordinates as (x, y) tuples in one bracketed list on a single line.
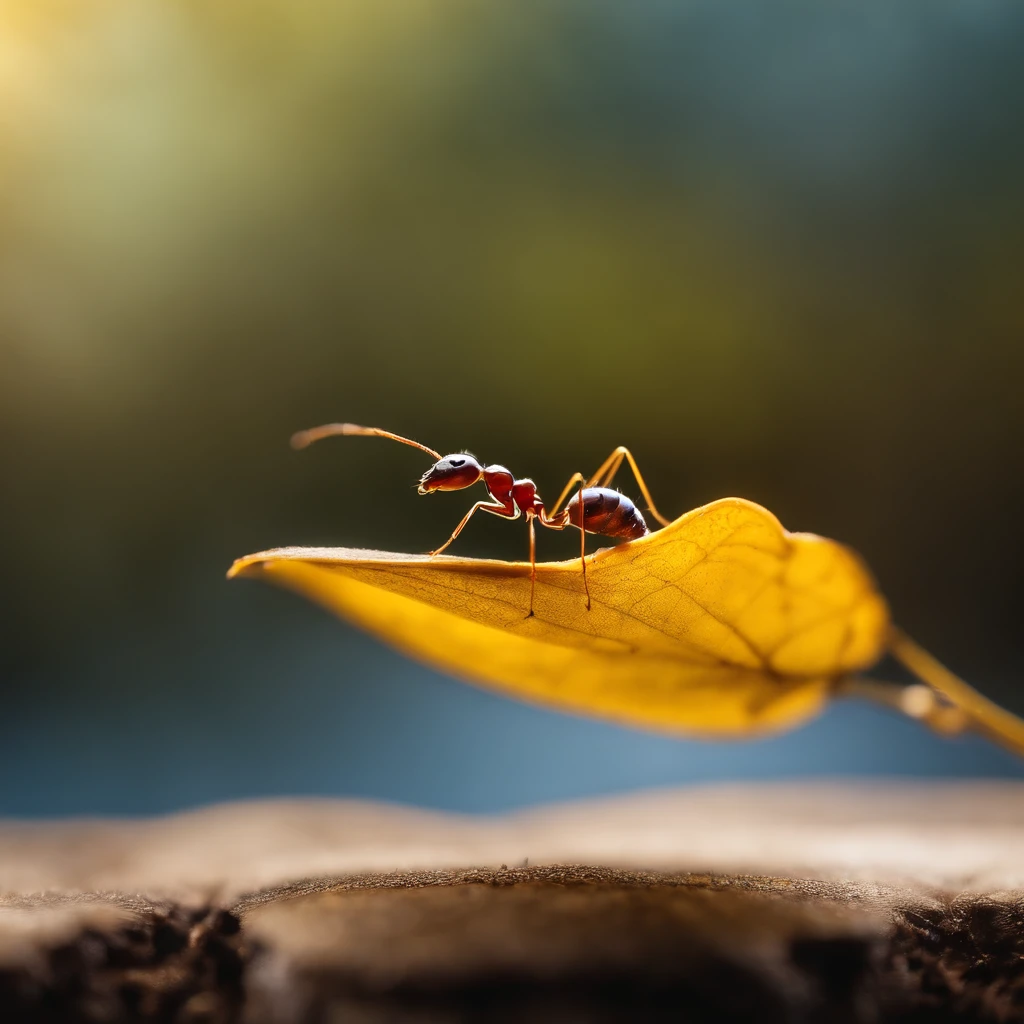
[(987, 717)]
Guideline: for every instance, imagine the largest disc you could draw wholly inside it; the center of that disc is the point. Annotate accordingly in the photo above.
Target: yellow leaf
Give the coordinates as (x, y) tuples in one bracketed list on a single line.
[(721, 624)]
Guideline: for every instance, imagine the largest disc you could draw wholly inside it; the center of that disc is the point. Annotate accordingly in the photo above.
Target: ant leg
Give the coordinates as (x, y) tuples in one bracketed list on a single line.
[(485, 506), (533, 564), (583, 550), (610, 467), (559, 520), (574, 479)]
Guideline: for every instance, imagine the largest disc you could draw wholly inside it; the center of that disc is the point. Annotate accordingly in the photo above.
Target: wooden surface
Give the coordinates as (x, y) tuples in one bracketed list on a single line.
[(830, 902)]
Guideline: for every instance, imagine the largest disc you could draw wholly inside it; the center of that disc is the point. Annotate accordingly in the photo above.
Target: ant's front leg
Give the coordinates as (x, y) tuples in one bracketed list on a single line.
[(510, 511)]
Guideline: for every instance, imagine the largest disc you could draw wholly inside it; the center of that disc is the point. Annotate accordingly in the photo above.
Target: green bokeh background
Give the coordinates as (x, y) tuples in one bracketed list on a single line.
[(775, 248)]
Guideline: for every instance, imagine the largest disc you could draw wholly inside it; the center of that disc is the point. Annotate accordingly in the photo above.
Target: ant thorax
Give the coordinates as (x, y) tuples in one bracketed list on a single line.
[(519, 496), (499, 482), (524, 494)]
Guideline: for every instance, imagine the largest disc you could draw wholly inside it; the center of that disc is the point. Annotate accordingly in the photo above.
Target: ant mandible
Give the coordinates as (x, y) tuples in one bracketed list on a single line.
[(594, 508)]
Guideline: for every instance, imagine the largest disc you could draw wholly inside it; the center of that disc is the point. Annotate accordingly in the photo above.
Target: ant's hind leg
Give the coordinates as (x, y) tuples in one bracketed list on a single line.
[(576, 478), (610, 467), (583, 549), (558, 519)]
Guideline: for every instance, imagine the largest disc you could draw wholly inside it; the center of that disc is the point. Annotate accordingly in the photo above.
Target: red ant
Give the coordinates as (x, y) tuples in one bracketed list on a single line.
[(594, 508)]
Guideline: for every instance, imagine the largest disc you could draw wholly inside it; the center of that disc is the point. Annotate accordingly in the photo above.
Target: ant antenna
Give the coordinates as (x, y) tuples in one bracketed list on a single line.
[(304, 438)]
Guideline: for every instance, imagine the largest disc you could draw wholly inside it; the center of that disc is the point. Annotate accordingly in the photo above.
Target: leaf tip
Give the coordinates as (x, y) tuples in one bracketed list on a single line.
[(247, 566)]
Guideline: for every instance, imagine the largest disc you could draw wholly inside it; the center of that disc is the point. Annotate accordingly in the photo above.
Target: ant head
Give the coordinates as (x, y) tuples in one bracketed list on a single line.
[(451, 473)]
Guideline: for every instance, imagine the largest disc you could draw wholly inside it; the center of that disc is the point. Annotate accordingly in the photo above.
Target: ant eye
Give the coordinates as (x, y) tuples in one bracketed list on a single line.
[(457, 462)]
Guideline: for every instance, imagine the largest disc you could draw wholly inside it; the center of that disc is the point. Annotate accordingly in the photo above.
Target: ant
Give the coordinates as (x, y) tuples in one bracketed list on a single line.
[(594, 508)]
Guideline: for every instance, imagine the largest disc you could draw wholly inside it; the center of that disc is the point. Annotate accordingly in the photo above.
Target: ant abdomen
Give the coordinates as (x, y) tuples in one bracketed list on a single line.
[(608, 513)]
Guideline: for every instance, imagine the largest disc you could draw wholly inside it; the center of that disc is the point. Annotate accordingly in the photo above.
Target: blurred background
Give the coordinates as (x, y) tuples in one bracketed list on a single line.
[(777, 249)]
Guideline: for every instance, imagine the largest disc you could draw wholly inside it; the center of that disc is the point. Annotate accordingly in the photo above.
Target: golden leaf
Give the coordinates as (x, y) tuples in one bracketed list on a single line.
[(721, 624)]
